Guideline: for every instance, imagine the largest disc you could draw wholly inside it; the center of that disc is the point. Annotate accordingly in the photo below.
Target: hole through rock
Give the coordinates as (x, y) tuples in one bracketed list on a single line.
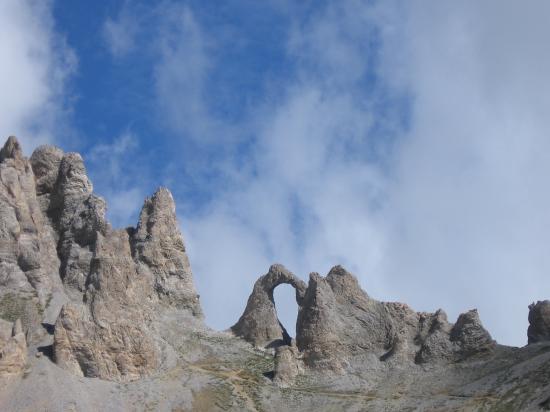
[(287, 309)]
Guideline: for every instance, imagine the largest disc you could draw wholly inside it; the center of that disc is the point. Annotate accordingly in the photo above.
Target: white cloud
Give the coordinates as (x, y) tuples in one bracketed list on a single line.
[(226, 269), (120, 33), (33, 74), (451, 212), (468, 216), (305, 201), (114, 171), (180, 75)]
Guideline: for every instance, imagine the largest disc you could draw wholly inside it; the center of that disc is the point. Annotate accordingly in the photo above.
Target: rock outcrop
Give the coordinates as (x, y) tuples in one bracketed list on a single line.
[(259, 323), (58, 248), (539, 322), (337, 321), (109, 336), (133, 274), (157, 244)]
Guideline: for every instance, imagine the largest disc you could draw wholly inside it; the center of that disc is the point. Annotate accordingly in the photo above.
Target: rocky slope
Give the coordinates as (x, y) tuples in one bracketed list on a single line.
[(96, 318)]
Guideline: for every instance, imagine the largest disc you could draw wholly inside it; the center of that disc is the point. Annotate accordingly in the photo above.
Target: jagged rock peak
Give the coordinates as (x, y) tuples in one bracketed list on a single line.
[(344, 283), (73, 177), (162, 199), (45, 161), (539, 322), (470, 335), (11, 150), (158, 243)]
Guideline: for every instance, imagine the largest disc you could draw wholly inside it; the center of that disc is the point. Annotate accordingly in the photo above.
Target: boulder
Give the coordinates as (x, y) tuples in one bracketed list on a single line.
[(288, 365)]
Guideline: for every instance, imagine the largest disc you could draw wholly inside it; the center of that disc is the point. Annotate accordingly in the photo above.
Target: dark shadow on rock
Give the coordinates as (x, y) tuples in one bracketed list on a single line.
[(270, 375), (277, 343), (46, 351), (49, 328)]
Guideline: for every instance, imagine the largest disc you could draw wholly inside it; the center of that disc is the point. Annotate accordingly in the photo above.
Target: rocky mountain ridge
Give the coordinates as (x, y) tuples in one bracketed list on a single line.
[(114, 315)]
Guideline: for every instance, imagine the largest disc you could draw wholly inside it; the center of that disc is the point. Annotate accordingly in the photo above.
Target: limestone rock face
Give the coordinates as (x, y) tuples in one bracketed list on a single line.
[(13, 348), (259, 323), (11, 150), (78, 216), (338, 320), (434, 337), (28, 258), (120, 351), (108, 336), (133, 274), (539, 322), (45, 161)]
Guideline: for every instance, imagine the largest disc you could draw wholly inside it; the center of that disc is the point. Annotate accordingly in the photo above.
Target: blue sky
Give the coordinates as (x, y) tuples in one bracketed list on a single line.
[(407, 141)]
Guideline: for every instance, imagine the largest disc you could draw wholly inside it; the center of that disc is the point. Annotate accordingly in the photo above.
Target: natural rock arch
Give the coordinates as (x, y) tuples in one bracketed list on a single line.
[(259, 323)]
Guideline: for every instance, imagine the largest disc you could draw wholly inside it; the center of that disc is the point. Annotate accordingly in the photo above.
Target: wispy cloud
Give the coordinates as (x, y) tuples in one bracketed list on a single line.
[(308, 198), (467, 215), (33, 75), (181, 73), (120, 177), (120, 32)]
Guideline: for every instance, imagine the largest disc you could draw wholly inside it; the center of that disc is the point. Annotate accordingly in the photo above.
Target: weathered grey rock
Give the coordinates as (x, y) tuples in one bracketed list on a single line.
[(434, 338), (11, 150), (259, 324), (470, 335), (77, 215), (339, 321), (114, 350), (132, 274), (56, 246), (539, 322), (45, 161), (13, 349), (110, 336)]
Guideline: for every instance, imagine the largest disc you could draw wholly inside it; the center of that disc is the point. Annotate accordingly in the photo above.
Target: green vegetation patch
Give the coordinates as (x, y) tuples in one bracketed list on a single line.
[(13, 307)]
